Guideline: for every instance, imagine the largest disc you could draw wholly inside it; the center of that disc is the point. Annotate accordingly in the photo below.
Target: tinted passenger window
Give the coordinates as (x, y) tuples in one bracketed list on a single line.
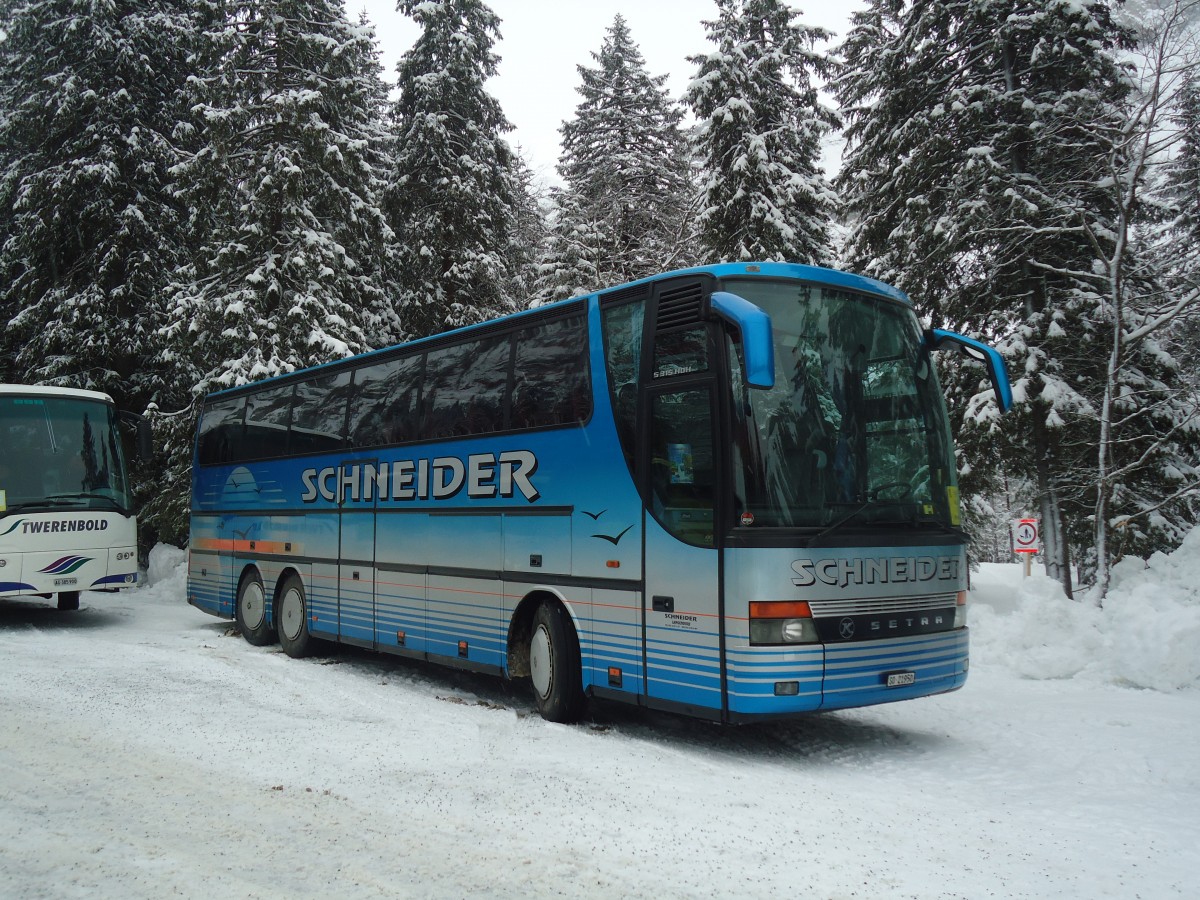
[(267, 416), (319, 414), (220, 439), (551, 385), (386, 402), (623, 329), (465, 388)]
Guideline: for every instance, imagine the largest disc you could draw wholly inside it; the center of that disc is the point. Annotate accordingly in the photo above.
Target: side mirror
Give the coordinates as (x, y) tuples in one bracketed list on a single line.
[(757, 343), (976, 351), (145, 439), (145, 435)]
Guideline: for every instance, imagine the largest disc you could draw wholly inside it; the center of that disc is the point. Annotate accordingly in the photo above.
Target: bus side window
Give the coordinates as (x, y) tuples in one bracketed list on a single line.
[(385, 406), (623, 327), (551, 384), (220, 440), (465, 388), (267, 415), (319, 414)]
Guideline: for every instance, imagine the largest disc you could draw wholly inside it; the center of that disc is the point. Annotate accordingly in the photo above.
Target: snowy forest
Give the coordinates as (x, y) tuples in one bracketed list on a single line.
[(195, 194)]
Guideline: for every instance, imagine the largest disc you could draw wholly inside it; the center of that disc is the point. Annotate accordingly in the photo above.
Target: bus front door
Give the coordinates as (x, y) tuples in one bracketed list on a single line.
[(682, 603)]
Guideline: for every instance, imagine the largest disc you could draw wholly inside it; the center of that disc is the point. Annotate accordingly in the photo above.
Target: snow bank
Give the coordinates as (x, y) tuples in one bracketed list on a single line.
[(1145, 636), (167, 565)]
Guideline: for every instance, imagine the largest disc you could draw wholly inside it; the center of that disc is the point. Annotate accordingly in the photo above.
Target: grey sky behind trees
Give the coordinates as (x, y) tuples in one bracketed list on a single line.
[(543, 42)]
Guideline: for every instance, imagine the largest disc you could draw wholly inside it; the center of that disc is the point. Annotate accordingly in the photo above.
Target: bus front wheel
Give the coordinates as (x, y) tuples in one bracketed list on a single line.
[(68, 600), (554, 665), (291, 617), (251, 611)]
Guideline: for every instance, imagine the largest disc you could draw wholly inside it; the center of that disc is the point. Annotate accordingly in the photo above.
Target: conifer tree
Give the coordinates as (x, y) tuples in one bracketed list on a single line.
[(528, 234), (452, 180), (284, 193), (761, 124), (90, 94), (1184, 194), (626, 210), (1182, 242), (982, 139)]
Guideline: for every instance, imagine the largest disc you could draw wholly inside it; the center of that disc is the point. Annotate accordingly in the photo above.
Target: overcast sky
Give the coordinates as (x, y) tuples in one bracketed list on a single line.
[(542, 41)]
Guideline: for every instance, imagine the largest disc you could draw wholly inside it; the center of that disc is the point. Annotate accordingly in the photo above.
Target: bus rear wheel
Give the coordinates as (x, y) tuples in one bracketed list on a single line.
[(68, 600), (291, 618), (251, 611), (554, 665)]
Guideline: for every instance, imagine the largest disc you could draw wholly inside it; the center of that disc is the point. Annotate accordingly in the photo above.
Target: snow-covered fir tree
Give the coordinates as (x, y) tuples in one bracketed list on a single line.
[(1149, 448), (626, 211), (89, 97), (1182, 240), (284, 194), (452, 181), (529, 233), (982, 139), (761, 125), (1185, 176)]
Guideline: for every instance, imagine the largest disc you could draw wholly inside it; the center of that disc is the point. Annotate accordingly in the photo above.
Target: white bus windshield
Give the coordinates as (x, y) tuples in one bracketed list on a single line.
[(854, 430), (61, 453)]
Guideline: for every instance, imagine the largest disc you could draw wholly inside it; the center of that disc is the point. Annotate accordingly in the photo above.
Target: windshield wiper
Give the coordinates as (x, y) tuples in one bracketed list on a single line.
[(840, 522)]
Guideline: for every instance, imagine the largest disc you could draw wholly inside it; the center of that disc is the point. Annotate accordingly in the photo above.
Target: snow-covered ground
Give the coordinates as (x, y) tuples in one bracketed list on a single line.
[(147, 752)]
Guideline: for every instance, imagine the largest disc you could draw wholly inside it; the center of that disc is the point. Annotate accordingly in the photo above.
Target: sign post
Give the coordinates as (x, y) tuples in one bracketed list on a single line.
[(1025, 541)]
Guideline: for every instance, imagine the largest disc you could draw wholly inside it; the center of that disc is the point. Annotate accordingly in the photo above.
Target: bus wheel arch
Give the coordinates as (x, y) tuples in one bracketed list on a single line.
[(550, 655), (520, 629), (250, 608)]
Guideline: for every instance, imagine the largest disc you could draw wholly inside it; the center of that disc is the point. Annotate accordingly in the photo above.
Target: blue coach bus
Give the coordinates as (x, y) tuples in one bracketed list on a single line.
[(727, 491)]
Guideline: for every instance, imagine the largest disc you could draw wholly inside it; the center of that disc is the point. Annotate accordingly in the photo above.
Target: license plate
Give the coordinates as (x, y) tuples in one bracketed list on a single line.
[(899, 679)]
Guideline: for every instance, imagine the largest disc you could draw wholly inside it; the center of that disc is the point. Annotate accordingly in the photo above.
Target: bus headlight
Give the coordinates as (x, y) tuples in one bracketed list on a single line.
[(781, 623)]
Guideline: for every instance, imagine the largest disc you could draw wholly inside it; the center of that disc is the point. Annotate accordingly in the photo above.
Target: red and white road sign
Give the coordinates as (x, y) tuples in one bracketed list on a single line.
[(1025, 536)]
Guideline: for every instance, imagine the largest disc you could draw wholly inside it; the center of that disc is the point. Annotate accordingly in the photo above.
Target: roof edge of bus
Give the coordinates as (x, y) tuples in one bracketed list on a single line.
[(834, 277), (42, 390)]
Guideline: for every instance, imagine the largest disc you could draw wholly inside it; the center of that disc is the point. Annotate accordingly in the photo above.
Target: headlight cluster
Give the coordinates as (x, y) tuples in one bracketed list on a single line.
[(781, 623)]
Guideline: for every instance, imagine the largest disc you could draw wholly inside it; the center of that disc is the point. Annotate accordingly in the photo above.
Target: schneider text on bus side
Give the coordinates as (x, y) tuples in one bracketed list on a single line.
[(485, 476)]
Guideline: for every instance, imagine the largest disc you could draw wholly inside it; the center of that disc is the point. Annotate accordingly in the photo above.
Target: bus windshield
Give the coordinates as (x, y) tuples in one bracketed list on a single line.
[(60, 453), (854, 431)]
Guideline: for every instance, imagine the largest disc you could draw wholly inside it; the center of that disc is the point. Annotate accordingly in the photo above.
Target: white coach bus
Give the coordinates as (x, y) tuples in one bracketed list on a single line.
[(66, 512)]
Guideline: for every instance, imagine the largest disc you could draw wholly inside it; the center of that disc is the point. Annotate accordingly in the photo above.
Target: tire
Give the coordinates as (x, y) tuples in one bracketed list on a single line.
[(250, 611), (554, 665), (291, 618), (68, 601)]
